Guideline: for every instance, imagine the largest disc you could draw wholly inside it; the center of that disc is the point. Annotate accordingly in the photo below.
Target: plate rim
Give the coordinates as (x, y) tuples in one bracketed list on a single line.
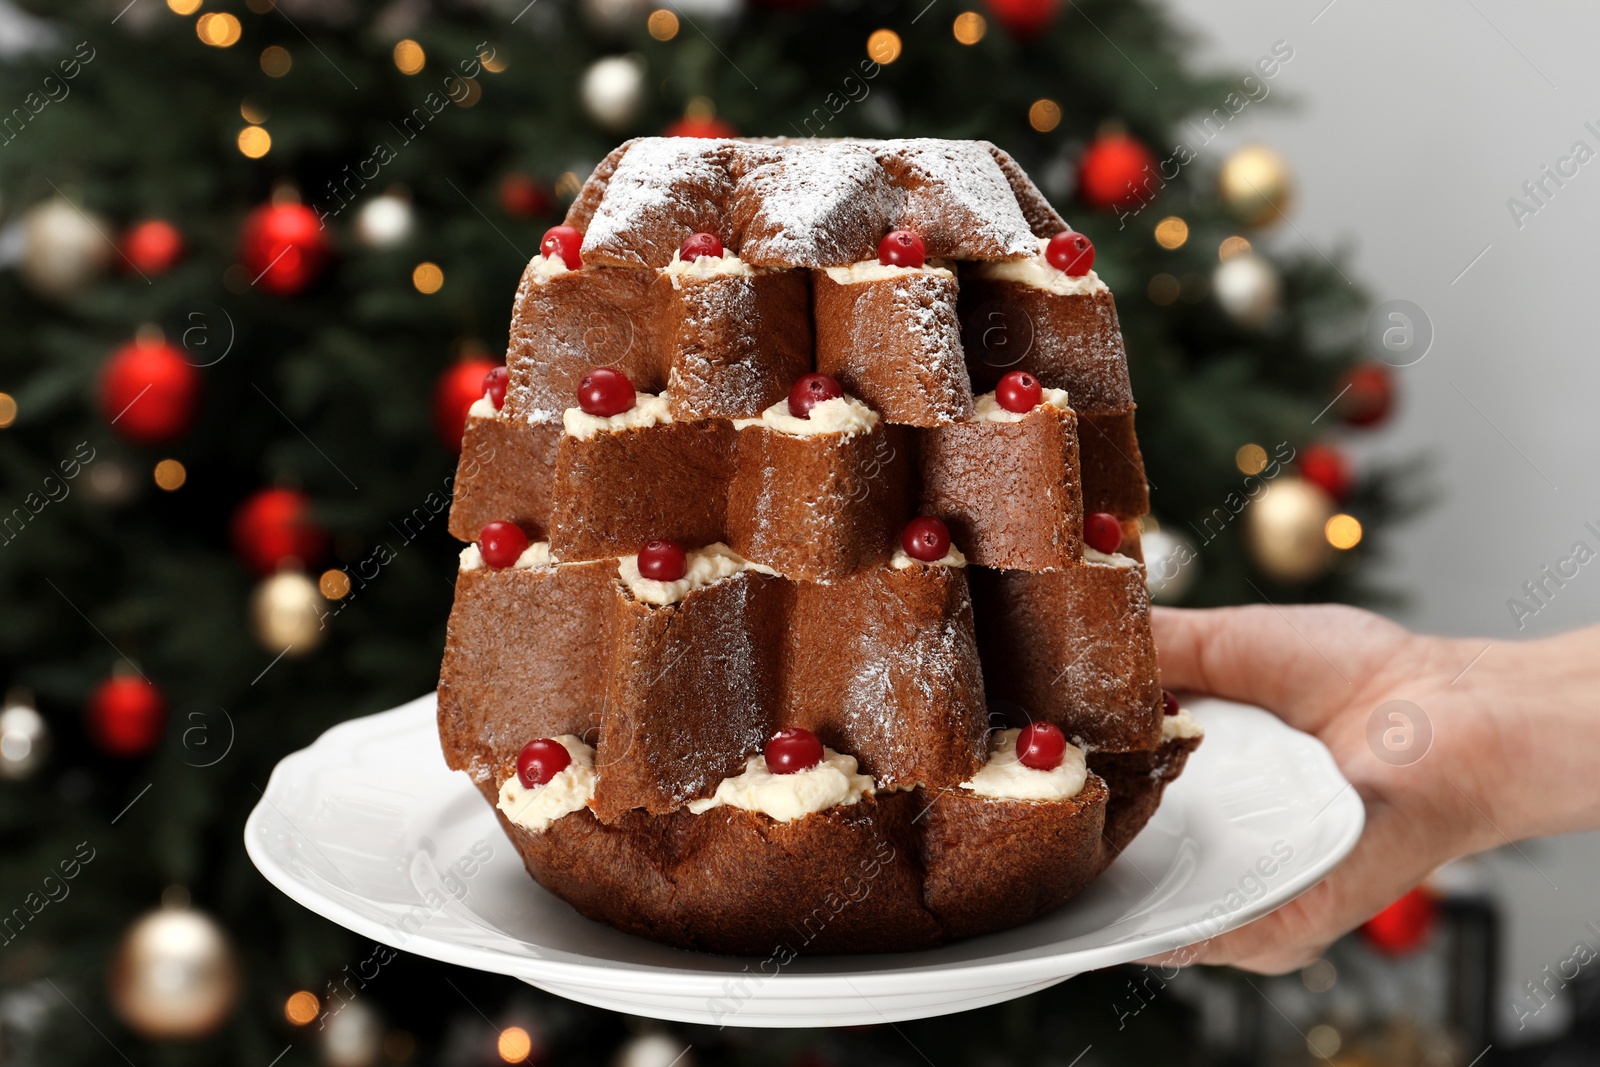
[(611, 975)]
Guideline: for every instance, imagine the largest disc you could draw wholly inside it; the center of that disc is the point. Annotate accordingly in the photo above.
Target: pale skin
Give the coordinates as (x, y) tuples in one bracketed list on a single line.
[(1515, 751)]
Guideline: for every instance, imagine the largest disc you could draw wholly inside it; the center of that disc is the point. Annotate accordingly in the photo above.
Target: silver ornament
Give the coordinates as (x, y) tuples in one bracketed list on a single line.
[(174, 975), (24, 739), (352, 1035), (1247, 287), (63, 247), (1171, 565), (612, 91), (385, 221), (1285, 530), (286, 613)]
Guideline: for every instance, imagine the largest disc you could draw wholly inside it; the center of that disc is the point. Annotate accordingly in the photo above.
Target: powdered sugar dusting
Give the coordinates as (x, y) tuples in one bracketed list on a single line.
[(814, 205), (664, 189)]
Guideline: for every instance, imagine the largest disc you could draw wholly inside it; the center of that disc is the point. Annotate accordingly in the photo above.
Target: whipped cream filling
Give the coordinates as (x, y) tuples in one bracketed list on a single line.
[(870, 270), (1107, 559), (726, 265), (786, 797), (1037, 273), (482, 408), (535, 555), (1005, 777), (1181, 725), (986, 408), (648, 409), (953, 558), (570, 790), (843, 415), (547, 267), (707, 566)]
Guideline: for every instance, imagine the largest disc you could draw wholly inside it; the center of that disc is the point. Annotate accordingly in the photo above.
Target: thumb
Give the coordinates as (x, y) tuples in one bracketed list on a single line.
[(1296, 661)]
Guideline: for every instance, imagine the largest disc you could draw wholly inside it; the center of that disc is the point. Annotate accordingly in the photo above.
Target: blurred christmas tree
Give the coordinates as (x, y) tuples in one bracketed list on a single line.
[(260, 258)]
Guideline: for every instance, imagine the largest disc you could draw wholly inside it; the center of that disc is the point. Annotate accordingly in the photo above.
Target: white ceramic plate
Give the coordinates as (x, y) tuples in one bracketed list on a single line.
[(367, 827)]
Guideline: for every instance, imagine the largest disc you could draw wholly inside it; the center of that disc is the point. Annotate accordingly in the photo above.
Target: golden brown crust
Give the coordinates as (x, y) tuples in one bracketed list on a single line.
[(1067, 342), (733, 345), (506, 474), (1113, 468), (1136, 781)]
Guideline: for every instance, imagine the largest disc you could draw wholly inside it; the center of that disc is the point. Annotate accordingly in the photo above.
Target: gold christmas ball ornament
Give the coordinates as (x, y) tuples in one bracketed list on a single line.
[(24, 738), (286, 613), (63, 247), (1255, 185), (1284, 530), (1248, 288), (175, 976)]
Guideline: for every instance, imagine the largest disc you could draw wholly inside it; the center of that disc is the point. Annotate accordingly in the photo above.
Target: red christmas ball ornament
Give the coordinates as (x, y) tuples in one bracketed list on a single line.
[(153, 246), (1018, 392), (1366, 395), (1041, 745), (809, 390), (1403, 925), (148, 391), (541, 760), (699, 127), (457, 389), (522, 198), (1114, 171), (1102, 532), (663, 561), (925, 538), (494, 386), (700, 244), (793, 750), (501, 544), (604, 392), (126, 716), (283, 247), (1024, 18), (902, 248), (1169, 703), (273, 527), (1071, 253), (563, 241), (1326, 466)]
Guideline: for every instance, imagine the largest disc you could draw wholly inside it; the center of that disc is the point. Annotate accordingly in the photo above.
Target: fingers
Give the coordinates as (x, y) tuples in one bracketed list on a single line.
[(1295, 661)]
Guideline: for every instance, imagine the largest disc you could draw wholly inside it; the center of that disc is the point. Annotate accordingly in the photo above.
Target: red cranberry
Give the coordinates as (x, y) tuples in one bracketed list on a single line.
[(494, 384), (502, 543), (1018, 391), (563, 241), (605, 392), (1070, 253), (1102, 532), (701, 244), (541, 760), (1041, 745), (902, 248), (811, 390), (663, 561), (1169, 703), (793, 750), (925, 538)]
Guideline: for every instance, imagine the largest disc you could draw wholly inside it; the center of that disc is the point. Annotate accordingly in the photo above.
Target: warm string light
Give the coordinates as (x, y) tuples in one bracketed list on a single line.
[(1250, 459), (1044, 115), (334, 584), (8, 410), (514, 1044), (302, 1007), (183, 7), (409, 58), (427, 277), (252, 110), (970, 27), (1172, 232), (883, 46), (1343, 531), (491, 62), (1232, 246), (255, 142), (662, 24), (219, 29), (170, 475), (275, 61), (464, 92)]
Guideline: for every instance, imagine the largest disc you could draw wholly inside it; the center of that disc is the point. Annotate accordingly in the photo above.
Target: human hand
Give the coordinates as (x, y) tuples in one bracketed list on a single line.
[(1502, 750)]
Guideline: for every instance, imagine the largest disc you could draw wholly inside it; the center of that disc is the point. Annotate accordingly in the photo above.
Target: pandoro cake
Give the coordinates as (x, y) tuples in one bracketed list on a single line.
[(803, 609)]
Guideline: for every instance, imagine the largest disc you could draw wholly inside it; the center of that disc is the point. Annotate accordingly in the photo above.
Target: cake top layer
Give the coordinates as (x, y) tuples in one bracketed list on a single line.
[(808, 203)]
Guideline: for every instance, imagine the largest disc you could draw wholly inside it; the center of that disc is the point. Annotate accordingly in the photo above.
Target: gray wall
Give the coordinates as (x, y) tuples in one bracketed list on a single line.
[(1416, 123)]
